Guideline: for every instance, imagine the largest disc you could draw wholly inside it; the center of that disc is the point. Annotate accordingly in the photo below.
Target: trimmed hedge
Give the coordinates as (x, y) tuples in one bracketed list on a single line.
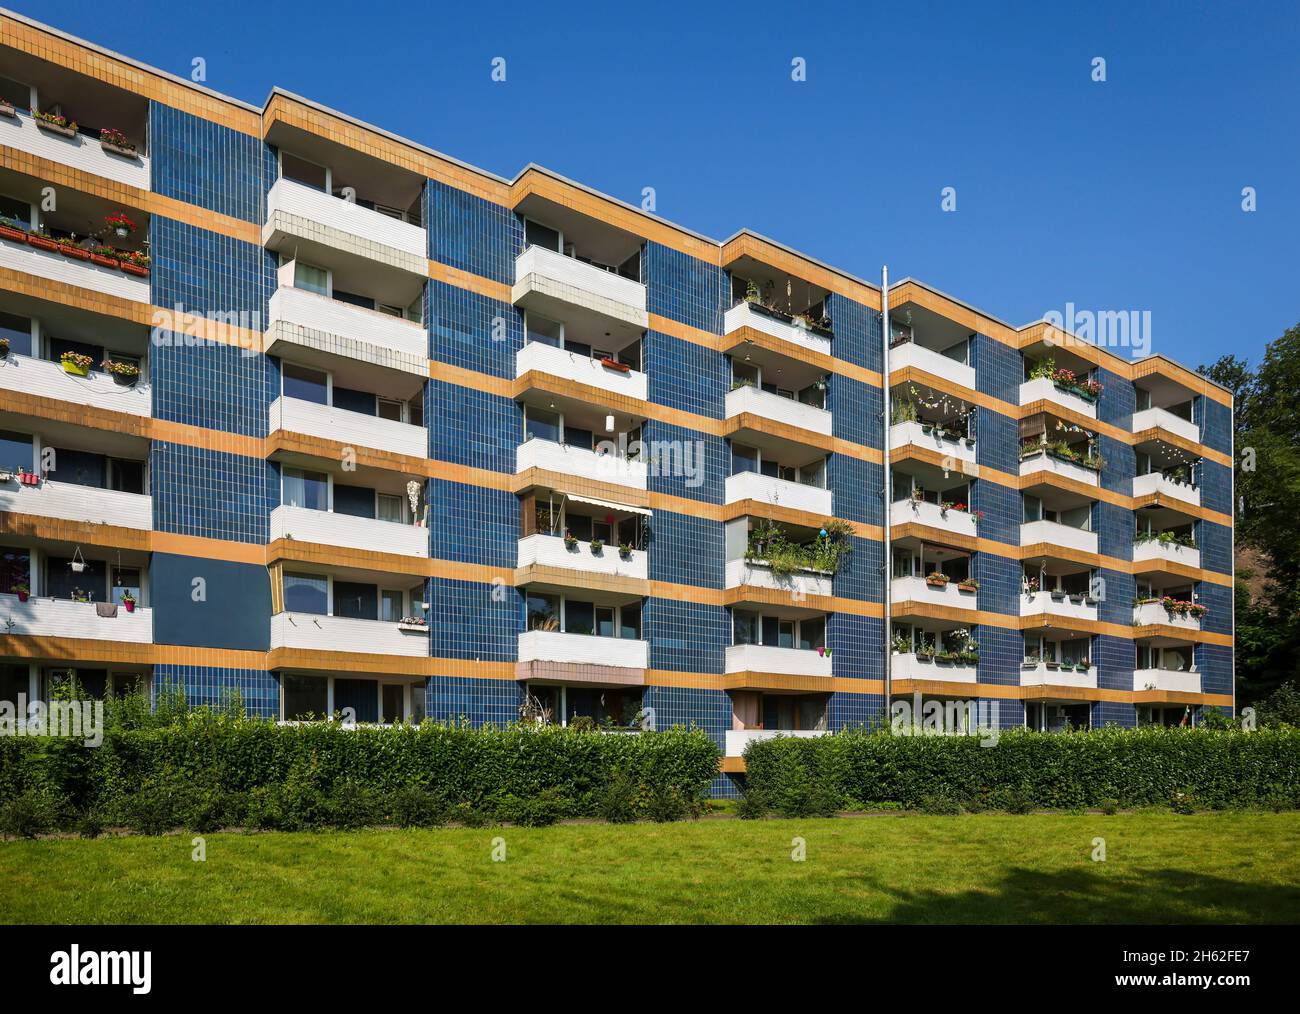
[(1148, 766), (214, 771)]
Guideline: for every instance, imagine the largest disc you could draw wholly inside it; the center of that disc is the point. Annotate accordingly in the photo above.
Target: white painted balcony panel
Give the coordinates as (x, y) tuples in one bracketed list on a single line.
[(330, 529), (1041, 603), (98, 390), (67, 270), (1042, 389), (580, 369), (904, 512), (783, 410), (1170, 680), (784, 661), (932, 362), (347, 634), (754, 574), (1155, 482), (550, 551), (583, 649), (302, 201), (1153, 612), (778, 492), (916, 589), (909, 667), (298, 308), (744, 315), (80, 152), (901, 434), (738, 739), (580, 462), (355, 429), (1044, 462), (553, 276), (68, 501), (46, 617), (1174, 553), (1055, 534), (1166, 420), (1040, 676)]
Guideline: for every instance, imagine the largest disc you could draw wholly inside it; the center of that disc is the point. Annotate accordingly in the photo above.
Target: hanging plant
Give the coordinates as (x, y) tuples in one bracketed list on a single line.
[(120, 224)]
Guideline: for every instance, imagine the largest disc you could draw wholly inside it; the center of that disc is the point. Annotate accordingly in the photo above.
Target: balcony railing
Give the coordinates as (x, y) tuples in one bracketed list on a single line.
[(909, 511), (1054, 533), (931, 362), (331, 529), (63, 618), (97, 390), (756, 574), (289, 203), (580, 462), (83, 274), (1039, 674), (767, 405), (580, 369), (738, 739), (1166, 420), (1058, 604), (919, 589), (1175, 681), (310, 319), (902, 434), (782, 661), (906, 666), (346, 634), (551, 551), (79, 152), (68, 501), (352, 428), (583, 649), (746, 314), (1040, 460), (1150, 613), (1155, 482), (1154, 549), (1043, 389), (544, 278), (778, 492)]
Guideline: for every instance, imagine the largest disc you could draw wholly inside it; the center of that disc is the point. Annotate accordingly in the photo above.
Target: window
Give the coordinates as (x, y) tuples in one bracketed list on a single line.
[(304, 383), (306, 593), (814, 474), (812, 633), (744, 627), (544, 330), (605, 621), (415, 411), (311, 278), (390, 606), (392, 703), (19, 332), (15, 451), (305, 489), (630, 621), (1033, 509), (388, 507), (15, 569), (579, 617), (418, 712), (126, 476), (14, 680), (15, 210), (299, 170), (388, 409), (543, 612), (542, 425), (356, 601), (743, 459), (304, 698), (536, 234)]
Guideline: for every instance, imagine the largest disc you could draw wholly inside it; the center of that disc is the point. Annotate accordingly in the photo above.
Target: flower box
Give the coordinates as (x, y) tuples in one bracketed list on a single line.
[(4, 351), (76, 364), (924, 656), (1053, 666), (14, 235), (134, 269), (7, 109), (75, 252), (610, 364), (1058, 595), (104, 261), (935, 582), (76, 369), (410, 626), (968, 586), (42, 242), (54, 128), (117, 149)]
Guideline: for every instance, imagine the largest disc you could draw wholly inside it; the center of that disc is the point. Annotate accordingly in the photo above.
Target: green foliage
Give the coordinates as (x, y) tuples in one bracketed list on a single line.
[(1142, 767), (1012, 800), (90, 824), (416, 807), (1109, 806), (752, 805), (26, 816), (939, 805), (618, 802)]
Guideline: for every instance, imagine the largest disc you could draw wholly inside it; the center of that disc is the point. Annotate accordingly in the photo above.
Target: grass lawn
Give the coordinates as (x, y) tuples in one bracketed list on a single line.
[(1159, 867)]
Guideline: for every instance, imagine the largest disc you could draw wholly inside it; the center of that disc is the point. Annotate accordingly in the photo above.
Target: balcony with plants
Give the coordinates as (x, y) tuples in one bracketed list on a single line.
[(798, 559), (1167, 601), (1167, 474), (1058, 657), (570, 538), (774, 303), (929, 574), (768, 385), (54, 589), (597, 635), (584, 349), (610, 709), (1059, 591), (931, 649), (931, 420), (1063, 379), (72, 480), (778, 640), (1165, 536), (923, 341), (929, 495), (55, 114), (1055, 449)]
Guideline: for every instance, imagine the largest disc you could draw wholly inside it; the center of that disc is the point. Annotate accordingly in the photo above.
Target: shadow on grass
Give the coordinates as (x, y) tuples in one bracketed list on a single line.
[(1090, 895)]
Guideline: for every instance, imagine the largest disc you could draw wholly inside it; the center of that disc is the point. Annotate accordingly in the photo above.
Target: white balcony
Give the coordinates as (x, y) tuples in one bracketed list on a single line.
[(98, 390), (584, 370), (1042, 603), (550, 551), (68, 501), (546, 280), (1042, 389), (1155, 482), (1042, 461), (1053, 533), (330, 529), (296, 210), (782, 661), (756, 574), (902, 434), (355, 429), (904, 512), (1167, 421), (63, 618), (767, 405), (347, 634), (909, 667), (78, 152), (745, 315), (580, 462), (1154, 549), (1149, 613), (583, 649), (56, 267), (1171, 680), (934, 363), (779, 493), (314, 321), (1040, 675), (738, 739), (917, 589)]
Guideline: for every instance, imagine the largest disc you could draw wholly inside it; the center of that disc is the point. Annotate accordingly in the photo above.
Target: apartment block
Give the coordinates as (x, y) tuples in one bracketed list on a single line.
[(294, 408)]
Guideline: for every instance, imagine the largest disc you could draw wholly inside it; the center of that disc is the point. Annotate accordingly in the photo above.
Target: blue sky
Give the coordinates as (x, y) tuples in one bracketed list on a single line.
[(1122, 195)]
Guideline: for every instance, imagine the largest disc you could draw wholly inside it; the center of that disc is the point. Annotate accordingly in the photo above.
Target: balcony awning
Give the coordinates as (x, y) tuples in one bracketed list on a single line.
[(622, 507)]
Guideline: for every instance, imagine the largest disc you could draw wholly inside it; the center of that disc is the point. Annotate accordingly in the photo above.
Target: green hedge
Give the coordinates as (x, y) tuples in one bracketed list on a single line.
[(216, 770), (1148, 766)]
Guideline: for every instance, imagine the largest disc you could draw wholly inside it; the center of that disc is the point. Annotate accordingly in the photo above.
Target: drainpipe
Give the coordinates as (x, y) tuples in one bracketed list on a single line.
[(887, 490)]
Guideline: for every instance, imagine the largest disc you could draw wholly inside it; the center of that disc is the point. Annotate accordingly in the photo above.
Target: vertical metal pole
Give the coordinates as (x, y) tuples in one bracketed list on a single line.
[(887, 490)]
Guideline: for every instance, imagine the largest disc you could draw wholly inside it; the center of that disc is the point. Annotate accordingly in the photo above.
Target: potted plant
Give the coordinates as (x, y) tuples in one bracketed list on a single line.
[(42, 242), (113, 140), (413, 624), (76, 363), (22, 590), (69, 247), (900, 645), (570, 540), (925, 651), (937, 579), (1076, 598), (596, 546), (611, 364), (1082, 665), (1058, 594), (105, 257), (625, 550), (4, 347), (52, 123), (1197, 610), (970, 584), (125, 374), (128, 600), (7, 109), (120, 224), (1053, 666), (134, 262), (1031, 585), (11, 229)]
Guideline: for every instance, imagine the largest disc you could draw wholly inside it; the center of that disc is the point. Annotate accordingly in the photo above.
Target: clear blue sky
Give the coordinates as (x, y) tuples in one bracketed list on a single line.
[(1115, 196)]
